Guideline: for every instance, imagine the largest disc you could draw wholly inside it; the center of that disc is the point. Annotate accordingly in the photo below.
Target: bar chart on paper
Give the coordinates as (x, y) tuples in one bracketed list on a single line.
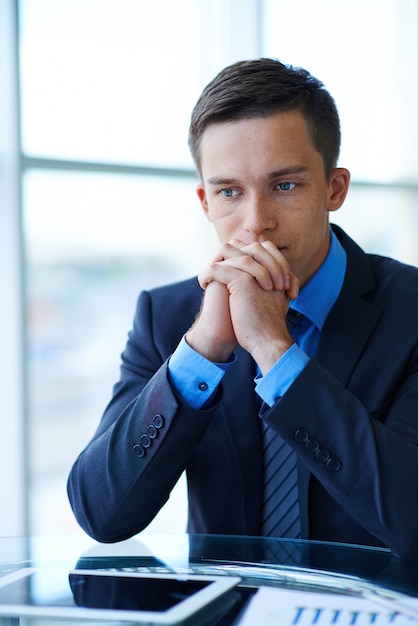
[(345, 617), (271, 606)]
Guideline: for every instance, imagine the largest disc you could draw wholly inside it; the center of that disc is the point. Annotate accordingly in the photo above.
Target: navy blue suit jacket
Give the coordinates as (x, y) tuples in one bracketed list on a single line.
[(351, 415)]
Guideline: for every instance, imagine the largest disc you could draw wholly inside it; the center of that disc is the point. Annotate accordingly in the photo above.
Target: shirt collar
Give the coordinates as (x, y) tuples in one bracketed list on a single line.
[(317, 297)]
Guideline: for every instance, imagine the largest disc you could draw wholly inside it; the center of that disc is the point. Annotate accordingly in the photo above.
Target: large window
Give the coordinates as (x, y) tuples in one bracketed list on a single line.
[(108, 203), (366, 53), (107, 184)]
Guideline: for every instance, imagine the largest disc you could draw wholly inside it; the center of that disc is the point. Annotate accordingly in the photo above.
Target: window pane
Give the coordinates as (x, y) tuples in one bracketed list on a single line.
[(110, 80), (366, 53), (93, 242), (382, 220)]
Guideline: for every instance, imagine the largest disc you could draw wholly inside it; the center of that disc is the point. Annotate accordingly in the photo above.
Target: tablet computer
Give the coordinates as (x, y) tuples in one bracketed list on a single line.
[(109, 595)]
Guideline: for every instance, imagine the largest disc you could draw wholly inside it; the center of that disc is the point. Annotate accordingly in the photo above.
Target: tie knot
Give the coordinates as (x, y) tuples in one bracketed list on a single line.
[(293, 318)]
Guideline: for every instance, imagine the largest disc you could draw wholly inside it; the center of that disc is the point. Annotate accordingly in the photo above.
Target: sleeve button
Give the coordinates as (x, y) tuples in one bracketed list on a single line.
[(312, 445), (145, 441), (333, 464), (322, 455), (158, 421), (203, 386), (302, 436), (139, 451), (152, 431)]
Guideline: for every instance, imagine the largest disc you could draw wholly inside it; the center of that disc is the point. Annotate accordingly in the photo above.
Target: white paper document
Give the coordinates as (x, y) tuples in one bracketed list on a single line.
[(280, 607)]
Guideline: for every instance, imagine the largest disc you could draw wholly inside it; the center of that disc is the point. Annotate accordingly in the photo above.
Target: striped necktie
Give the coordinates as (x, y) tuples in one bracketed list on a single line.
[(281, 502)]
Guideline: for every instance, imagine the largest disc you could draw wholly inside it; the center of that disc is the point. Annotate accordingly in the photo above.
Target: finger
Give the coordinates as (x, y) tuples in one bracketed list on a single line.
[(235, 255), (237, 243), (229, 249), (207, 275), (268, 255), (275, 275), (293, 291), (236, 270), (290, 280), (247, 265)]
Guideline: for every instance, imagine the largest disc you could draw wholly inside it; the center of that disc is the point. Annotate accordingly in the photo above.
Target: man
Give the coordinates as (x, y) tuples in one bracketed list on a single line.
[(211, 385)]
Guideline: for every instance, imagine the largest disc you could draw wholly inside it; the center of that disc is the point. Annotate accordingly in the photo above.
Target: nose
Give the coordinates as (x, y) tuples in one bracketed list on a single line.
[(259, 215)]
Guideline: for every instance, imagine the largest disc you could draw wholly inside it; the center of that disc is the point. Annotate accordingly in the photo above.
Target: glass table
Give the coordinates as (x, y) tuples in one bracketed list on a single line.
[(281, 569)]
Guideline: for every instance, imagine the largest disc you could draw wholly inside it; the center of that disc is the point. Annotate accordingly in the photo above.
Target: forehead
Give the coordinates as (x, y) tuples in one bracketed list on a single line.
[(281, 137)]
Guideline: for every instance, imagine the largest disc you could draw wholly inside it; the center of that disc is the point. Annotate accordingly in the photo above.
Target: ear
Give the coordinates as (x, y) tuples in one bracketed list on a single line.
[(201, 194), (338, 187)]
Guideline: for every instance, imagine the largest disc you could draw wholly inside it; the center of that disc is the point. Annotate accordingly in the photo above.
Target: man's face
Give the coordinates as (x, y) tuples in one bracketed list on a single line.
[(262, 179)]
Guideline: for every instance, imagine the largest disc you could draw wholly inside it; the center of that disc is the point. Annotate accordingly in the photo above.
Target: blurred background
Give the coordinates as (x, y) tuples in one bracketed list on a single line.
[(97, 195)]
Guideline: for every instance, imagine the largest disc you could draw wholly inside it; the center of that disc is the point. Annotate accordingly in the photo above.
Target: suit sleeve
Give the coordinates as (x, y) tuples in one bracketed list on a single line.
[(143, 443)]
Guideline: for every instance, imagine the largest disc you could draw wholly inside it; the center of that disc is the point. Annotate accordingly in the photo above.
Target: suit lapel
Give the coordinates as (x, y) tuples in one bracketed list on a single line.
[(345, 334), (352, 319)]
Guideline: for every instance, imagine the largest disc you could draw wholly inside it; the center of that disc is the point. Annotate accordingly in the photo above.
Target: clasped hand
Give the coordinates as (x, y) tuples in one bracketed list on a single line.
[(247, 293)]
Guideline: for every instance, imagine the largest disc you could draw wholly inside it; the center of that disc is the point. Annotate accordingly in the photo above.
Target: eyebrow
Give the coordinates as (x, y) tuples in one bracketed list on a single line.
[(221, 181), (285, 171)]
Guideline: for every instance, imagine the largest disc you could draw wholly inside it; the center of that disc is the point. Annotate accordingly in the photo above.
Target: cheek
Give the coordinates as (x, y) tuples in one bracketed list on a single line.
[(225, 234), (307, 235), (314, 219), (224, 220)]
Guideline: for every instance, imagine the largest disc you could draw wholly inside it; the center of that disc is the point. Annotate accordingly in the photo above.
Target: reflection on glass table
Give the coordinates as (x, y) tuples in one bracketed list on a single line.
[(297, 582)]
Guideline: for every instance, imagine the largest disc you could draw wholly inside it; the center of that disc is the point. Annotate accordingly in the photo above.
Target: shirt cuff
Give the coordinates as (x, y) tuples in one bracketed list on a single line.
[(195, 378), (284, 372)]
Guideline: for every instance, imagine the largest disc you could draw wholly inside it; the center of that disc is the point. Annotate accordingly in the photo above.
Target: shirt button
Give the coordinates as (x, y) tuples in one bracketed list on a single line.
[(203, 386)]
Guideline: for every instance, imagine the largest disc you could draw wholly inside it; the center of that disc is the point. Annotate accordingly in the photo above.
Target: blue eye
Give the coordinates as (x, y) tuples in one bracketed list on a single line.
[(227, 193), (286, 186)]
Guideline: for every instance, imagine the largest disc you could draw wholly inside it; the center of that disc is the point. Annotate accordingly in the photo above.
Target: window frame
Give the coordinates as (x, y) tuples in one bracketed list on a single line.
[(13, 425)]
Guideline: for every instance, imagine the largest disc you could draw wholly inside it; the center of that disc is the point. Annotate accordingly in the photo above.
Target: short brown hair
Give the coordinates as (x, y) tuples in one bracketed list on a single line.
[(262, 87)]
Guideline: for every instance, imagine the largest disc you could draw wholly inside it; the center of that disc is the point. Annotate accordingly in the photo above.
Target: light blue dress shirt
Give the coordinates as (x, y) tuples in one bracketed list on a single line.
[(196, 379)]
